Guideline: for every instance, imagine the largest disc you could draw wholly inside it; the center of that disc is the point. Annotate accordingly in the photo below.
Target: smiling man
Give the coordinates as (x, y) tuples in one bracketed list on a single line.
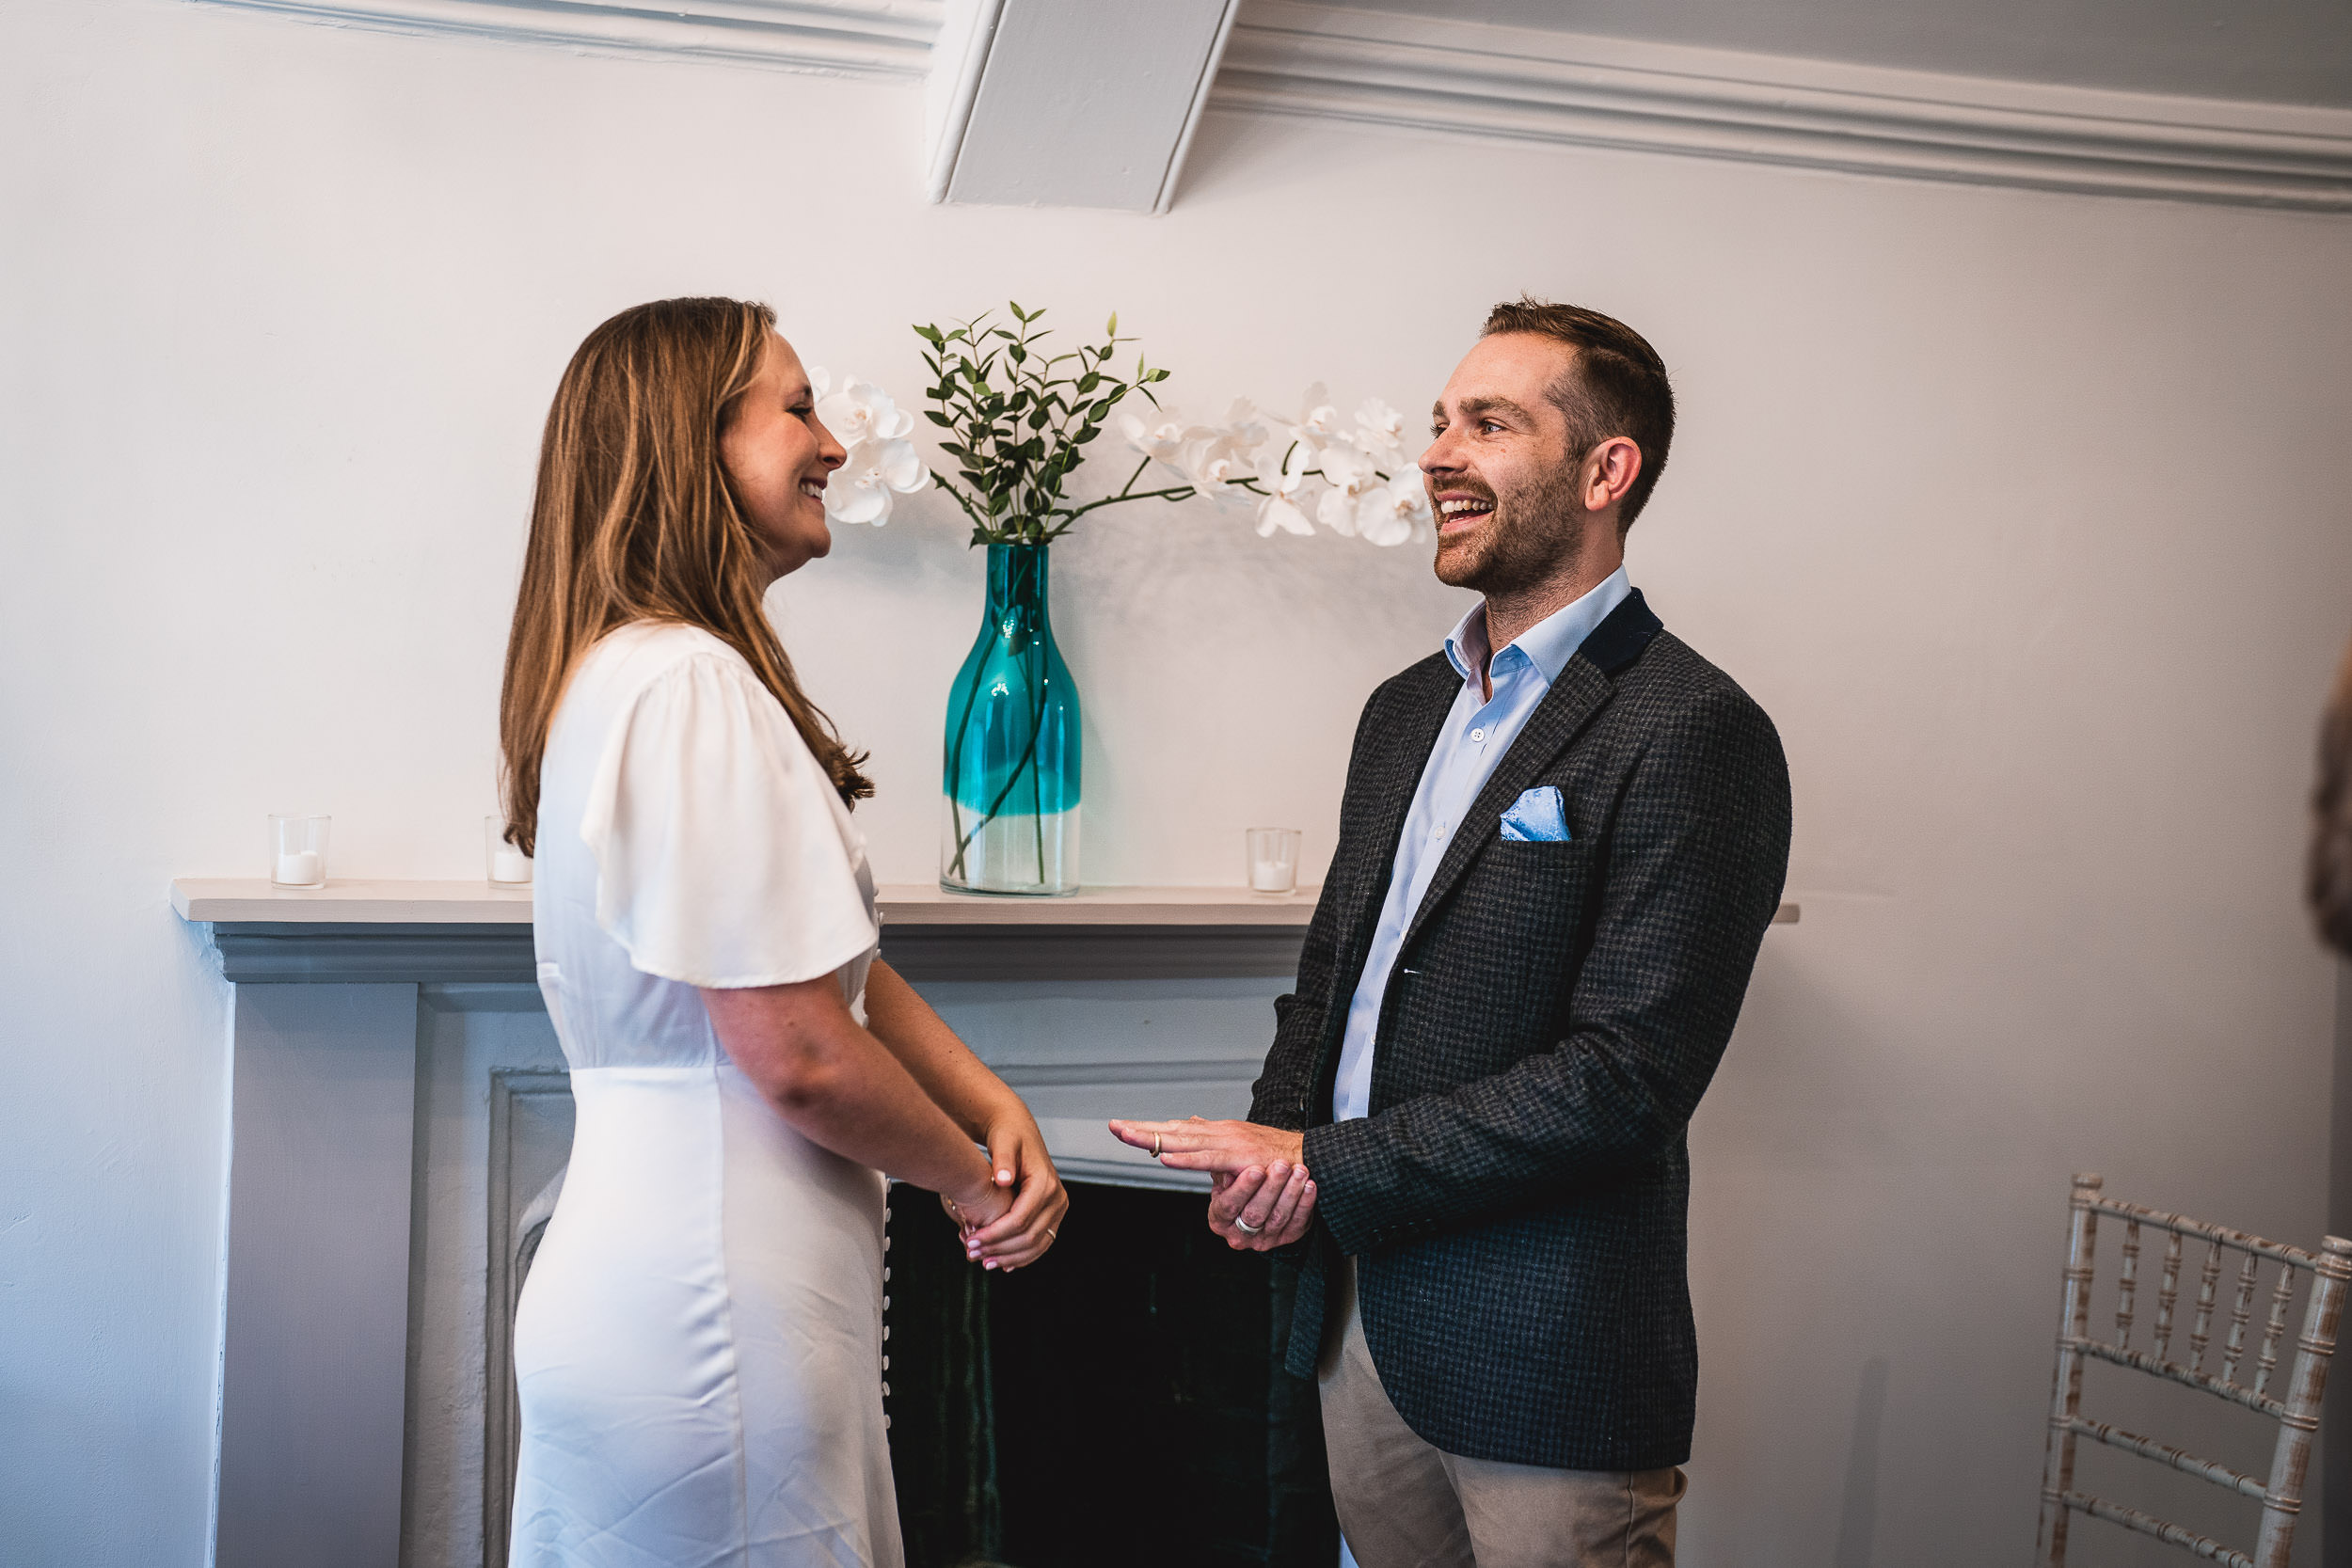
[(1562, 839)]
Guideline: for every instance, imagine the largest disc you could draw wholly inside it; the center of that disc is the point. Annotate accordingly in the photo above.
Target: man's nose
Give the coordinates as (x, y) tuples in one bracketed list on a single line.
[(1439, 457)]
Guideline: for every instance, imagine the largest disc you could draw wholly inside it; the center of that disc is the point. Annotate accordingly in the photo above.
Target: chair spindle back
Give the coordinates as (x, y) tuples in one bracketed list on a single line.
[(2296, 1411)]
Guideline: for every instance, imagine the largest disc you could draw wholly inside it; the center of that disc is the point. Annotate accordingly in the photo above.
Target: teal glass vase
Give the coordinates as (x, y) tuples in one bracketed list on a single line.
[(1010, 821)]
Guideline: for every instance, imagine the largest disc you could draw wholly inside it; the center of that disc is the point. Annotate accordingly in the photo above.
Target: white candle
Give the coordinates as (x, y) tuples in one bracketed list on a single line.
[(300, 868), (508, 864), (1269, 877)]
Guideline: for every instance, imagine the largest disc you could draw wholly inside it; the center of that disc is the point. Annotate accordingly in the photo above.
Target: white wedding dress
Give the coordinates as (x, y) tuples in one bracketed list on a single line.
[(699, 1347)]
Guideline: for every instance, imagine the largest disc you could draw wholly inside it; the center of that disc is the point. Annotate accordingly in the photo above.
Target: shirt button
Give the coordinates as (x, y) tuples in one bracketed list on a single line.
[(1478, 735)]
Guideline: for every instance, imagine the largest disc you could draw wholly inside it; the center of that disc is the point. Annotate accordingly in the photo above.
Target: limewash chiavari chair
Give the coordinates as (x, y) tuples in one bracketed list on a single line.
[(2295, 1406)]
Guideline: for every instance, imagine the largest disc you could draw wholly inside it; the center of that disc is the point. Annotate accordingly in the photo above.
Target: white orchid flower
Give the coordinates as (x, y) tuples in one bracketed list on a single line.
[(862, 412), (1220, 466), (1163, 442), (860, 490), (1242, 424), (1379, 434), (1317, 417), (1348, 470), (1336, 511), (1378, 417), (1317, 425), (1393, 514), (1297, 467), (1222, 453), (1281, 512)]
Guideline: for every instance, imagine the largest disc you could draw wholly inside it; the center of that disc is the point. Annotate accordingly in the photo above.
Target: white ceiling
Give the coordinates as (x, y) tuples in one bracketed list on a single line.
[(2277, 51)]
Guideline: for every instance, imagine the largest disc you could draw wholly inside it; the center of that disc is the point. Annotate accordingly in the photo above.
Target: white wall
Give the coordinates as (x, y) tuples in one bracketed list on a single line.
[(2022, 514)]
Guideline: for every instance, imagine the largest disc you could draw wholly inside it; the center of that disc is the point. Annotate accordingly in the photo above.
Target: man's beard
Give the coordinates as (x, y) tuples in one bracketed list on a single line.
[(1528, 536)]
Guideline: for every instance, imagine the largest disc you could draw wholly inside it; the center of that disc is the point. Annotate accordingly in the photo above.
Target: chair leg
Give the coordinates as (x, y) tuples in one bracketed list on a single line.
[(2284, 1502), (2066, 1393)]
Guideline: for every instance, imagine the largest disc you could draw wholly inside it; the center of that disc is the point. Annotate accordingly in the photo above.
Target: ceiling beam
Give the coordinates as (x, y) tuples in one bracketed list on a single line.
[(1069, 102)]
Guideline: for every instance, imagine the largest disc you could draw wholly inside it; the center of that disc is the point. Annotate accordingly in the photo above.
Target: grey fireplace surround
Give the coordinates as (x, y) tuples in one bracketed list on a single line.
[(379, 1026), (398, 1100)]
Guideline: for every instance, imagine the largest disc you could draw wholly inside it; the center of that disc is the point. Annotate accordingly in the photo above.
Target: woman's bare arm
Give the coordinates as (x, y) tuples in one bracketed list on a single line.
[(841, 1088), (962, 1085), (958, 1082)]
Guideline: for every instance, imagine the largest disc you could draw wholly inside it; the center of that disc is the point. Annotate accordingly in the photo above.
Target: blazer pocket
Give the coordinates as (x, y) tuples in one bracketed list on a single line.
[(1541, 882), (1541, 854)]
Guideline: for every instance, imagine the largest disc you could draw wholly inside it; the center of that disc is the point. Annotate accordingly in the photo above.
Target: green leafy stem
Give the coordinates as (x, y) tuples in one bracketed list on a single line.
[(1018, 421)]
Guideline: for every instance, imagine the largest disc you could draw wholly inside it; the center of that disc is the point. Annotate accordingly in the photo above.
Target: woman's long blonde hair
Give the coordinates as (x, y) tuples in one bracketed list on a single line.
[(634, 519)]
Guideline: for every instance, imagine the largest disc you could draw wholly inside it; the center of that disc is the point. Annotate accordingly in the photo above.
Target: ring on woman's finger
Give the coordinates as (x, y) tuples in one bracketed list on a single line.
[(1247, 1228), (1155, 1146)]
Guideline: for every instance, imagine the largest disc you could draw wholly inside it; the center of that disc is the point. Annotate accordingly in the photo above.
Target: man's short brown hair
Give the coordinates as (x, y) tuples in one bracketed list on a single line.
[(1618, 387)]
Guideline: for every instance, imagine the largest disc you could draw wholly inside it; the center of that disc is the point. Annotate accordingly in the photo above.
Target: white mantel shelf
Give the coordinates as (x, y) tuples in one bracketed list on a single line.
[(358, 931), (381, 930), (244, 901)]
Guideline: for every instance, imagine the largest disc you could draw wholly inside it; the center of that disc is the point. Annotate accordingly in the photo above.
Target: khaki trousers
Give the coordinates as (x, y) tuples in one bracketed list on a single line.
[(1405, 1504)]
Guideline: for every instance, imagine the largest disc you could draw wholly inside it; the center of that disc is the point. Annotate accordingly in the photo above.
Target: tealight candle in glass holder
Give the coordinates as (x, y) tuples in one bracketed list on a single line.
[(297, 850), (507, 867), (1273, 860)]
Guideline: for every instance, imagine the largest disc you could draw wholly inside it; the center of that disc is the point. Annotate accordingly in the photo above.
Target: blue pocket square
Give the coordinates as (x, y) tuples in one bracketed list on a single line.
[(1537, 818)]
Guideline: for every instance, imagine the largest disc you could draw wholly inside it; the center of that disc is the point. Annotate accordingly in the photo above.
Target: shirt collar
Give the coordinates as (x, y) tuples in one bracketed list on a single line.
[(1548, 644)]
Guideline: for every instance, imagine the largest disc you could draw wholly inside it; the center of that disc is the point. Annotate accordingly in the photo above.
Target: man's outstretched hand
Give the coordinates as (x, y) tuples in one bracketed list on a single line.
[(1260, 1197)]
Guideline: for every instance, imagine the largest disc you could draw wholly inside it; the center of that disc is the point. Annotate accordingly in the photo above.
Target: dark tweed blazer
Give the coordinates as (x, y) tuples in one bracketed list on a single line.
[(1516, 1200)]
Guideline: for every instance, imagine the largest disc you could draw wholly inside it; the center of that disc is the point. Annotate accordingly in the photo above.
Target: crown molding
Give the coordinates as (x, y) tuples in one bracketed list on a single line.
[(1532, 85), (889, 39), (1538, 86)]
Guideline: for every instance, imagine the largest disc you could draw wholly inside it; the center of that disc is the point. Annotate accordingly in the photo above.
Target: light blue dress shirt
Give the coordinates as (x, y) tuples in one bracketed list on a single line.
[(1478, 730)]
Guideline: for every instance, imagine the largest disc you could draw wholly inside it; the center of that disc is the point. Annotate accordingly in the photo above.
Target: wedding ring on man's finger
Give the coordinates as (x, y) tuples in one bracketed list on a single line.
[(1247, 1228), (1155, 1146)]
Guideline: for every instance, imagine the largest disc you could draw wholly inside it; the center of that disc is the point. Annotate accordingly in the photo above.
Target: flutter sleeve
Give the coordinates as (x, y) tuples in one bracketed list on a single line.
[(723, 857)]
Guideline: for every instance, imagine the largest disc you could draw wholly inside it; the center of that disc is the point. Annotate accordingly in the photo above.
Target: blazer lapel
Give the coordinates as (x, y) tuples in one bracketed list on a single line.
[(1585, 684), (1395, 778)]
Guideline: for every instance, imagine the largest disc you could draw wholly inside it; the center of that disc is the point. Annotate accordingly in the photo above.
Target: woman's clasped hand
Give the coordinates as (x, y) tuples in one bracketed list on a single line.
[(1015, 1217)]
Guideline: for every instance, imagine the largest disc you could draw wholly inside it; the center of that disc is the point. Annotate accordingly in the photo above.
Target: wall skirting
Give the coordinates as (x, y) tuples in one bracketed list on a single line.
[(1532, 85)]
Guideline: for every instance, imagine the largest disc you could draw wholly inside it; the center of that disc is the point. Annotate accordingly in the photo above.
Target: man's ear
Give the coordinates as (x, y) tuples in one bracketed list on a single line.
[(1610, 470)]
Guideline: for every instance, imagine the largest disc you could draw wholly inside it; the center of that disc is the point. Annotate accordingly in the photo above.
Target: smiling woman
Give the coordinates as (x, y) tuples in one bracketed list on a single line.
[(698, 1350), (778, 457), (617, 534)]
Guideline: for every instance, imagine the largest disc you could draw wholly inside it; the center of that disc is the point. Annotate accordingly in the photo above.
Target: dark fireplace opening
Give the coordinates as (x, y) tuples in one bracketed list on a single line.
[(1122, 1402)]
